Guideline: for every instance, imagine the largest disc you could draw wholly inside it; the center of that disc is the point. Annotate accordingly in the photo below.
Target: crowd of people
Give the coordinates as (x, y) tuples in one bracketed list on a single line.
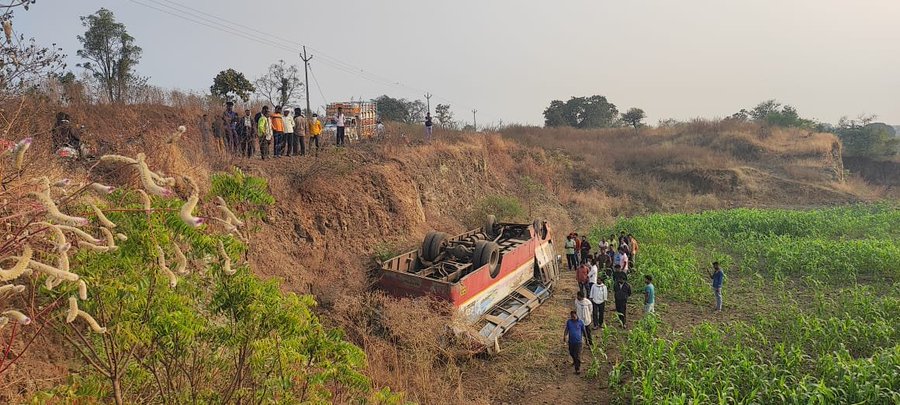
[(613, 260), (279, 132)]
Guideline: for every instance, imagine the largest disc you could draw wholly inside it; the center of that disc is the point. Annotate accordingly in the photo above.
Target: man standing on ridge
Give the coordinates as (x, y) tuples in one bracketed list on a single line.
[(247, 132), (573, 336), (315, 131), (290, 145), (339, 127), (277, 130), (300, 130), (264, 130), (429, 127), (229, 124)]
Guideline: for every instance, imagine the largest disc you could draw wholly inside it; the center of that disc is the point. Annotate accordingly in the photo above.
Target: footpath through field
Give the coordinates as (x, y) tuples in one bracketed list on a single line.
[(536, 365)]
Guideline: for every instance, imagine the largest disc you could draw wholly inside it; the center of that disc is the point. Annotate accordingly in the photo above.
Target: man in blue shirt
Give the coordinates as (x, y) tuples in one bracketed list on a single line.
[(573, 336), (649, 295), (718, 276)]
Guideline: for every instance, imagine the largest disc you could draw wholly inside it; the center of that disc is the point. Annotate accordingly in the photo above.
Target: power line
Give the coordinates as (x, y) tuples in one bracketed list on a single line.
[(213, 26), (328, 60), (317, 85), (221, 24)]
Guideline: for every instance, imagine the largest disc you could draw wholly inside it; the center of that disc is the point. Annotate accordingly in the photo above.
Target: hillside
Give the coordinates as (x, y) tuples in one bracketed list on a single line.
[(335, 212)]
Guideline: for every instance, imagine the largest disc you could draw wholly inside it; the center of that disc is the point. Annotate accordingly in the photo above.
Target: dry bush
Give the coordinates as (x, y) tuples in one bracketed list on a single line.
[(856, 185), (806, 173), (795, 142), (593, 206), (409, 345)]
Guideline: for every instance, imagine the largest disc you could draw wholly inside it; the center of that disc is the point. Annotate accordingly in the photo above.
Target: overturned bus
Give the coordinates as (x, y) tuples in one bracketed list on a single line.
[(493, 276)]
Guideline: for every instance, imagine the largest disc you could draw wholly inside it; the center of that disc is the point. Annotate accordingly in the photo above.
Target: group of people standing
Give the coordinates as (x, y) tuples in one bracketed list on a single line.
[(614, 259), (281, 132)]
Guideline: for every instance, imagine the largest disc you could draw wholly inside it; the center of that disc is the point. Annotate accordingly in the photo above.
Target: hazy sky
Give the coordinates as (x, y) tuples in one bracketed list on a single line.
[(509, 59)]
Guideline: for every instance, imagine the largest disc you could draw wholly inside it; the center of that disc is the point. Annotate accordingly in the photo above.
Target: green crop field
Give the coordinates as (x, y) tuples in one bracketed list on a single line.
[(812, 303)]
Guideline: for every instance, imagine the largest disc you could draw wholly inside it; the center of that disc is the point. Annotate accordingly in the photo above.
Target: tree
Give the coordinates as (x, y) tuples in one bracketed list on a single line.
[(22, 61), (417, 109), (111, 54), (555, 115), (401, 109), (444, 115), (392, 109), (582, 112), (634, 116), (773, 113), (867, 139), (281, 85), (231, 83)]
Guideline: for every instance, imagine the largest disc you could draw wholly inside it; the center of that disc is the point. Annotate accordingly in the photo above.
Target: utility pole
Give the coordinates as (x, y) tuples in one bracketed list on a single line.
[(428, 98), (474, 121), (306, 79)]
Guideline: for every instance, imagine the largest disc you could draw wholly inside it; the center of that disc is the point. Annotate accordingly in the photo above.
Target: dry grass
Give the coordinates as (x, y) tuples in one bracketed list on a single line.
[(692, 166)]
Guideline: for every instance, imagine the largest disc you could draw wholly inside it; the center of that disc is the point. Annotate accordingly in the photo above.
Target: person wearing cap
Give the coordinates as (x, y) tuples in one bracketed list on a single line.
[(64, 134), (315, 131), (300, 130), (289, 144)]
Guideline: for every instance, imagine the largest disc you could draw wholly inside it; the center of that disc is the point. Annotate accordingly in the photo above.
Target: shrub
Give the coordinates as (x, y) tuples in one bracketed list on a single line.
[(160, 308), (506, 209)]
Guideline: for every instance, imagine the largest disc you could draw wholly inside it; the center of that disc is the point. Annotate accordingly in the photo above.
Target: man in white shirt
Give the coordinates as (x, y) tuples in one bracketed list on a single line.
[(339, 122), (583, 309), (290, 142), (598, 299)]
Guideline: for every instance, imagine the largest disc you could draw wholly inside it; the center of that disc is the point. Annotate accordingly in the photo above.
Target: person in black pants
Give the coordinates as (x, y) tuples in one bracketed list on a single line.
[(623, 291), (598, 298), (574, 337), (339, 130)]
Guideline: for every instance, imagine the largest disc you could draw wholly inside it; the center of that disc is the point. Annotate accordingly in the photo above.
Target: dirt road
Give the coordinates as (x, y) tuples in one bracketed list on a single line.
[(534, 366)]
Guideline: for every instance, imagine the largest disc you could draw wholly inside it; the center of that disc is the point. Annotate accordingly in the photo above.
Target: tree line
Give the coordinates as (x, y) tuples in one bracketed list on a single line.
[(590, 112), (860, 137)]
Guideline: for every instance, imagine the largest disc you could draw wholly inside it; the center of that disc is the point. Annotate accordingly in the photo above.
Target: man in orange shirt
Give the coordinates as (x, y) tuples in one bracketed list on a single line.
[(633, 245), (277, 130)]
